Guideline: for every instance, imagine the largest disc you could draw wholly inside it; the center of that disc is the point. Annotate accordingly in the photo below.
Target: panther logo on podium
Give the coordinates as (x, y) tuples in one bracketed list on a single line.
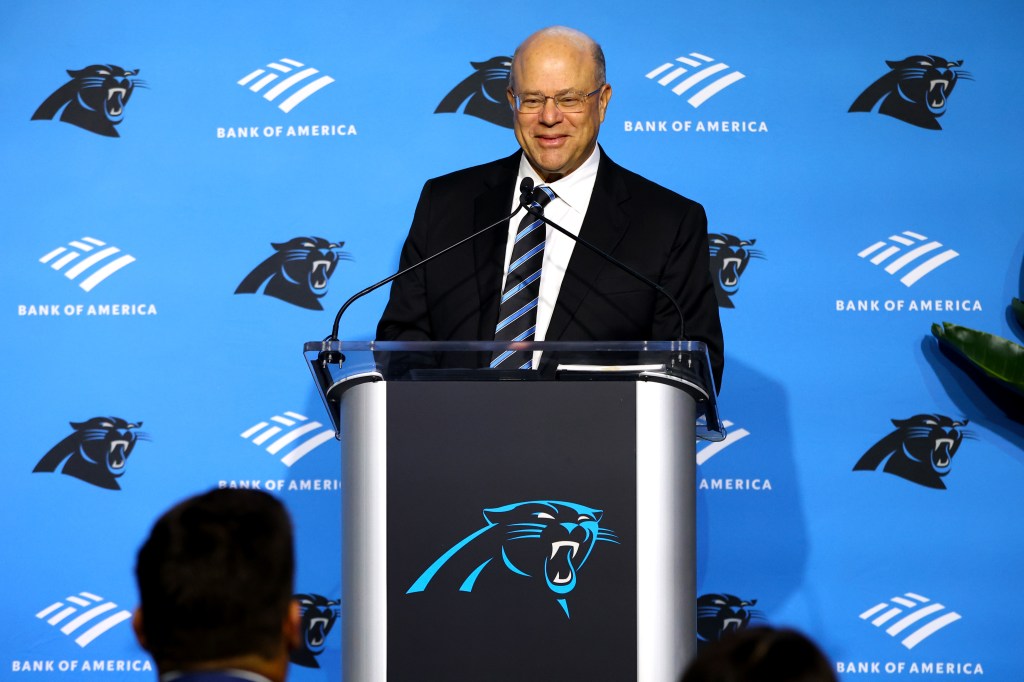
[(483, 93), (914, 91), (719, 615), (96, 452), (921, 449), (94, 98), (319, 614), (544, 541), (729, 259), (297, 273)]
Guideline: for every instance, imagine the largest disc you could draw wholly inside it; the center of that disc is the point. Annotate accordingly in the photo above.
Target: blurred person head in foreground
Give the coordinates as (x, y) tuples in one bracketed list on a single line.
[(761, 654), (215, 582)]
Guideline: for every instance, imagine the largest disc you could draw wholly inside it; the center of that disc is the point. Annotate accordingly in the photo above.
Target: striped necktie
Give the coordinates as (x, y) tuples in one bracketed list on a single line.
[(517, 314)]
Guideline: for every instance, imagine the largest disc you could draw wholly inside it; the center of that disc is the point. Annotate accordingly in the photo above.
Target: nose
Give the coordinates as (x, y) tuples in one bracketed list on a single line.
[(550, 114)]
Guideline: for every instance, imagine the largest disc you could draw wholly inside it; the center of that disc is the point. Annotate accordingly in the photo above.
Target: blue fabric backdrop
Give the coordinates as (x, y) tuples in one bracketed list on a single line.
[(827, 335)]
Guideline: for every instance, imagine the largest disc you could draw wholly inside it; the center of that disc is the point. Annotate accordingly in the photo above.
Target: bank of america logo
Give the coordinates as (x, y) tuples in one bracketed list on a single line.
[(911, 616), (910, 253), (694, 70), (88, 259), (84, 616), (290, 430), (706, 450), (290, 78)]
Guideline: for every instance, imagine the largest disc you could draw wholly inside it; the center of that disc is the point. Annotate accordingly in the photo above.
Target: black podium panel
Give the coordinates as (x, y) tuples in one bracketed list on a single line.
[(511, 533)]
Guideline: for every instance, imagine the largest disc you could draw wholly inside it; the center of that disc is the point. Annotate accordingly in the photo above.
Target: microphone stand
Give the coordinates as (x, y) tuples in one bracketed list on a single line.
[(330, 357), (617, 263)]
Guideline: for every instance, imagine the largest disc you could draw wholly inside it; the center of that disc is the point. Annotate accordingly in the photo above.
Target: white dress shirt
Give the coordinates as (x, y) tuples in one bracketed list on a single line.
[(572, 197)]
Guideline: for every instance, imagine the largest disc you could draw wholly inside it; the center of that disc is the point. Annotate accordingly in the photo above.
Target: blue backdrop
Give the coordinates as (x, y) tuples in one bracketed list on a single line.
[(841, 237)]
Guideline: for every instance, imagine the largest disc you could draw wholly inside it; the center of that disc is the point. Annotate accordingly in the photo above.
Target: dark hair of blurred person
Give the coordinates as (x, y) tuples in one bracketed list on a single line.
[(761, 654), (215, 584)]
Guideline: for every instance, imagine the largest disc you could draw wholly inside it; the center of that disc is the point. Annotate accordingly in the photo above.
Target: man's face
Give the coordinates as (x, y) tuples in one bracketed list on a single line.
[(557, 143)]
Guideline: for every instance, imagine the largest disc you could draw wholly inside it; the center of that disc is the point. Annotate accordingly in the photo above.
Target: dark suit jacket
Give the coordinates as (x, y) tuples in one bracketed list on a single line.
[(652, 229)]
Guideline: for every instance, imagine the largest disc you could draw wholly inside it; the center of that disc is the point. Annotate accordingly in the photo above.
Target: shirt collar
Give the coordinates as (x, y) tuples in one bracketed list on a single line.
[(575, 188)]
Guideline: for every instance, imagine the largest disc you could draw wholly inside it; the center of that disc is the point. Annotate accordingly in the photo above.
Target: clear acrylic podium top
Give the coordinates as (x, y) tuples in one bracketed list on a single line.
[(338, 365)]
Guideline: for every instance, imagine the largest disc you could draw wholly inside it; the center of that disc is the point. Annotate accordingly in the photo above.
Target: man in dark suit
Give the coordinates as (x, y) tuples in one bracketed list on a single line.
[(558, 96), (215, 589)]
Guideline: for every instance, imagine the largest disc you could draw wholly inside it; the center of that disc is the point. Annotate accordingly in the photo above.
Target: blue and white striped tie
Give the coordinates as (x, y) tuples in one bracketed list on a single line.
[(517, 314)]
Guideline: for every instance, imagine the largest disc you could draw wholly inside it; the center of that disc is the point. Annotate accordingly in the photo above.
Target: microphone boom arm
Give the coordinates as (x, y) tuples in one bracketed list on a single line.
[(616, 262), (525, 192)]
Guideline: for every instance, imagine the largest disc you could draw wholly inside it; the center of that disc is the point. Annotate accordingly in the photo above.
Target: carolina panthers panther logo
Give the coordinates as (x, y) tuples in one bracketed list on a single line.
[(729, 259), (921, 449), (97, 451), (915, 91), (719, 615), (544, 541), (94, 98), (483, 93), (298, 271), (319, 614)]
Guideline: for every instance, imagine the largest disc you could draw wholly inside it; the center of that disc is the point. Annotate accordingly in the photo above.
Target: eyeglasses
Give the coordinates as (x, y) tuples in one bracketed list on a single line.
[(571, 102)]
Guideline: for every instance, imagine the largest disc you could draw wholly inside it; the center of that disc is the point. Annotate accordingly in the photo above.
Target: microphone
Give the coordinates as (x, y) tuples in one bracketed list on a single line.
[(526, 192), (608, 257)]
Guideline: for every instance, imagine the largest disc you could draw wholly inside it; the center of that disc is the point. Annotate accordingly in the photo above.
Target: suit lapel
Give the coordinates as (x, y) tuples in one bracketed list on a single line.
[(604, 225), (489, 249)]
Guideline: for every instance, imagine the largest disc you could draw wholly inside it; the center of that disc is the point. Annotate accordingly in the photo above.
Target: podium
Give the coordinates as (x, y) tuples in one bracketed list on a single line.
[(517, 525)]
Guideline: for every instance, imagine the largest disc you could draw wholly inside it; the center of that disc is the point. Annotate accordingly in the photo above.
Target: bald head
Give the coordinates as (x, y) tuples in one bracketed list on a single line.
[(569, 37), (551, 64)]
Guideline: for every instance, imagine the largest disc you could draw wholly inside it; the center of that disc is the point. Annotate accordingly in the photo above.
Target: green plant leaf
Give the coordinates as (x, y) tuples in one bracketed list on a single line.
[(998, 358), (1018, 310)]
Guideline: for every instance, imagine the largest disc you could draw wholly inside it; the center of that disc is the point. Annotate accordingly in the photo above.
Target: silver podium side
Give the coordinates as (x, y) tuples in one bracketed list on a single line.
[(364, 531), (666, 566)]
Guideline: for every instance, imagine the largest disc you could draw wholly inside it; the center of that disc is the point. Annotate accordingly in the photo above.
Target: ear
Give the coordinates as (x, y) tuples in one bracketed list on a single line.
[(603, 98), (137, 628), (293, 626)]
